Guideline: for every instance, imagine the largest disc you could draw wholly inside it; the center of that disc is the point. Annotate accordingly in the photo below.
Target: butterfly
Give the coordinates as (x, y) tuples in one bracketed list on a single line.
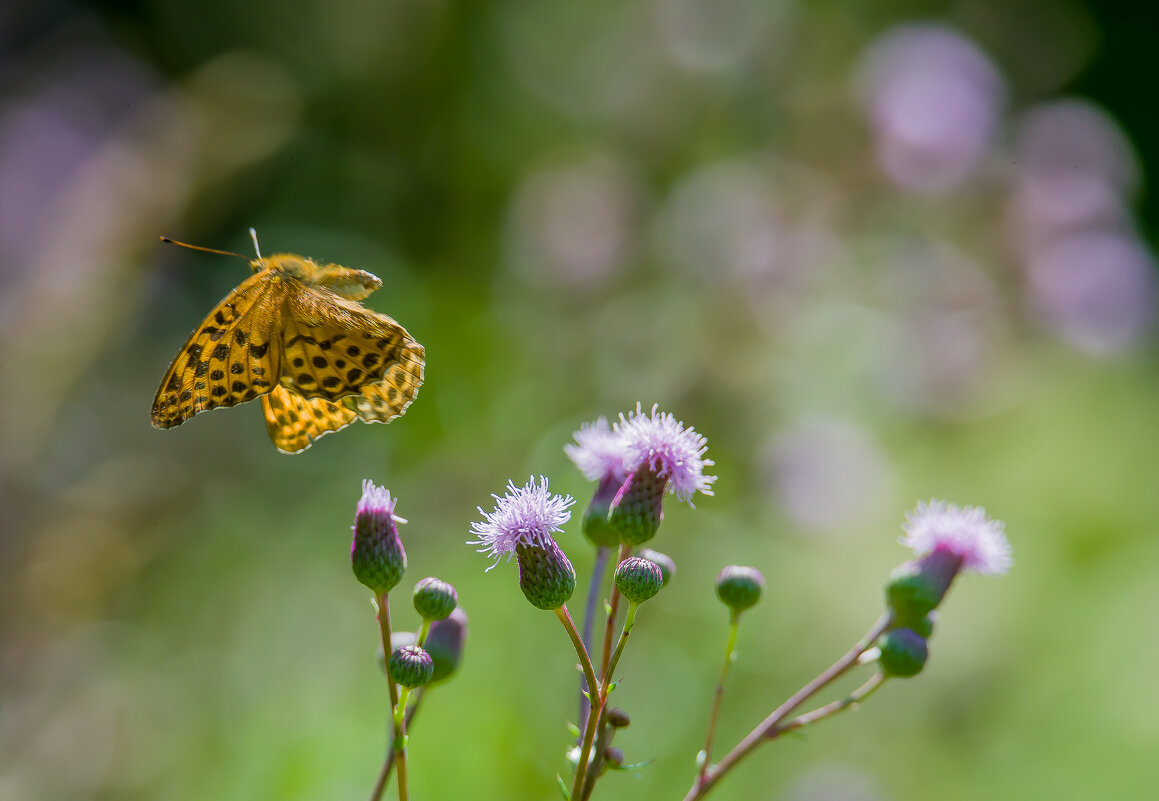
[(295, 335)]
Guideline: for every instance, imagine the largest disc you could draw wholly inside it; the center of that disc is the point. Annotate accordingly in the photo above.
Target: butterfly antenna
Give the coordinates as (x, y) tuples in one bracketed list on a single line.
[(254, 237), (207, 250)]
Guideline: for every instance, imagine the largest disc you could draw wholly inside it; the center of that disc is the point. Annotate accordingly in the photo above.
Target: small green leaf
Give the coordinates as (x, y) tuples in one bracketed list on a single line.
[(634, 765), (563, 788), (573, 729)]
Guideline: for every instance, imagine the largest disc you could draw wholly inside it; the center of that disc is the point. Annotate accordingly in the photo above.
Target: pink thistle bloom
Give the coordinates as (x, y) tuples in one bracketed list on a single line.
[(599, 452), (965, 532), (526, 516), (670, 450)]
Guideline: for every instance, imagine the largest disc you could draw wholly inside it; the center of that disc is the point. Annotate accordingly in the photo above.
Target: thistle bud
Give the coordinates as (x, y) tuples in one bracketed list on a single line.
[(617, 718), (638, 579), (638, 508), (410, 666), (445, 643), (435, 599), (546, 576), (376, 553), (663, 561), (739, 588), (596, 528), (903, 653)]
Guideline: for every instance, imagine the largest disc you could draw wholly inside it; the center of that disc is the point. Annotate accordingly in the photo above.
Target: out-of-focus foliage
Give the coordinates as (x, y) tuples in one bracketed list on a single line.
[(873, 257)]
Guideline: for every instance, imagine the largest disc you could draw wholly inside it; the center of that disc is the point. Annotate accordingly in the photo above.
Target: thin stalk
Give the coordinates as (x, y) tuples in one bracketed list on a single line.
[(424, 630), (598, 569), (762, 732), (730, 646), (605, 686), (829, 710), (613, 608), (387, 763), (589, 674)]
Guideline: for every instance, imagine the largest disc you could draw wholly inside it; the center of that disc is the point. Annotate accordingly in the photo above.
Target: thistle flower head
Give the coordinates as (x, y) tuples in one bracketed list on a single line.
[(526, 516), (376, 553), (672, 452), (979, 542), (598, 452)]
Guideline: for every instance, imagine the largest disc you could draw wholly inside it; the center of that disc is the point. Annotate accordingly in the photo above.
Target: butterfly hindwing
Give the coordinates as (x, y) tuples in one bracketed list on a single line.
[(231, 358), (294, 422), (333, 348)]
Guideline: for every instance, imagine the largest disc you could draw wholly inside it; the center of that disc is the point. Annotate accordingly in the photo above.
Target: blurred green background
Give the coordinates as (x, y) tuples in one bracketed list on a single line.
[(876, 252)]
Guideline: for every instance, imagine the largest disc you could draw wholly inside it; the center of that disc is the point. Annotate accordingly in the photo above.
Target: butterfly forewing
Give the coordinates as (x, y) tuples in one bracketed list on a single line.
[(231, 358)]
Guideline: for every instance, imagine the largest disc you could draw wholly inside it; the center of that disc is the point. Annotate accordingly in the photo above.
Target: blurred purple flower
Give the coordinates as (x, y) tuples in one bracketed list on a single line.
[(527, 515), (1097, 291), (599, 452), (933, 100), (965, 532)]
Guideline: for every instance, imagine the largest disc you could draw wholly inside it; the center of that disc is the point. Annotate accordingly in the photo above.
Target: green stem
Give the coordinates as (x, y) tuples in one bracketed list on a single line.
[(598, 570), (421, 640), (762, 732), (729, 649), (629, 621), (848, 702), (384, 631), (590, 675)]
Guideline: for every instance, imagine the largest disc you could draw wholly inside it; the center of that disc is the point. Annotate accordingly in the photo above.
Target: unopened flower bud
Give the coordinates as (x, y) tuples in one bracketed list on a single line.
[(638, 579), (546, 576), (376, 553), (445, 643), (663, 560), (739, 587), (596, 527), (435, 599), (614, 757), (617, 718), (638, 507), (916, 588), (903, 653), (410, 666)]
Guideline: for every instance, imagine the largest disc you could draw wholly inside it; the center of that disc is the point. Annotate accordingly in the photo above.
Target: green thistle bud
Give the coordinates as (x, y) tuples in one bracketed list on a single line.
[(638, 579), (376, 553), (410, 666), (903, 653), (596, 528), (545, 574), (663, 560), (445, 643), (916, 588), (739, 588), (435, 599), (638, 508)]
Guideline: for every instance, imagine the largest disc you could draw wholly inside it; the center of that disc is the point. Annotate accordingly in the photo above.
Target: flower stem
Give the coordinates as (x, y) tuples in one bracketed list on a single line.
[(384, 774), (613, 608), (729, 649), (848, 702), (598, 569), (767, 728), (421, 640), (629, 621), (590, 675)]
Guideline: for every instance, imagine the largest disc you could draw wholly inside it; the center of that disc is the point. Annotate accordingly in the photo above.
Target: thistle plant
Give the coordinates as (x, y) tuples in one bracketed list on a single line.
[(638, 463)]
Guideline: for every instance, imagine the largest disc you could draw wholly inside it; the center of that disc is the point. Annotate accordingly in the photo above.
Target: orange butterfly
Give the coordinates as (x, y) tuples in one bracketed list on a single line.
[(294, 334)]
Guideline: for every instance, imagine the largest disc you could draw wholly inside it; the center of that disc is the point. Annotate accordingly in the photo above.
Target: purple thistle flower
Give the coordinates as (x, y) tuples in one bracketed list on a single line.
[(599, 452), (376, 553), (525, 516), (670, 450), (965, 532)]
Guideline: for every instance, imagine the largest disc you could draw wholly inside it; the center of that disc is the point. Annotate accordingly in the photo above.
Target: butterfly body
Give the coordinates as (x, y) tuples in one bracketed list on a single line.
[(295, 335)]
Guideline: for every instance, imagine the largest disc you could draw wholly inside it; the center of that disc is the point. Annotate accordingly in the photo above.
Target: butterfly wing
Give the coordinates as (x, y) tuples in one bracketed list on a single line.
[(231, 358), (294, 422), (334, 347)]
